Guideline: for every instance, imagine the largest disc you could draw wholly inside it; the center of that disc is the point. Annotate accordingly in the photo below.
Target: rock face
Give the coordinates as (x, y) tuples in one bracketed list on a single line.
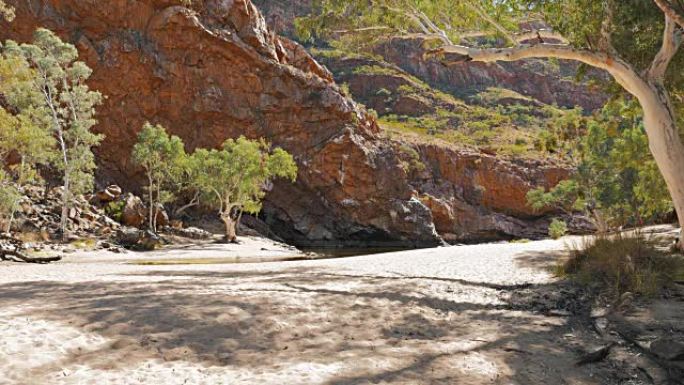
[(280, 14), (475, 196), (39, 214), (533, 78), (215, 72)]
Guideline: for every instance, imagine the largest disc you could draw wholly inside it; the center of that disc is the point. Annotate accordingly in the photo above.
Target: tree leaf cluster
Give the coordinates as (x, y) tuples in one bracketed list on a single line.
[(48, 114), (232, 179), (617, 182)]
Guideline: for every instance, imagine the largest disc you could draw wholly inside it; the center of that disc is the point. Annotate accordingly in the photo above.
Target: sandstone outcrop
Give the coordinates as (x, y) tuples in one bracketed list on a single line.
[(216, 71), (475, 196), (134, 212)]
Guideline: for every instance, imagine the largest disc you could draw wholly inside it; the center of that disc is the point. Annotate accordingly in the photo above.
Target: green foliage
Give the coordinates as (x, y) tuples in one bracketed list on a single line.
[(235, 176), (368, 21), (9, 200), (115, 209), (24, 132), (233, 179), (374, 70), (6, 11), (622, 263), (617, 182), (344, 88), (163, 158), (58, 96), (563, 195), (557, 228), (410, 159)]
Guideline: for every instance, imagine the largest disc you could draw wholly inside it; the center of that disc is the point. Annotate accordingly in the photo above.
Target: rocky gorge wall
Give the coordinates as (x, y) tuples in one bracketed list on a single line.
[(475, 196), (550, 84), (216, 71), (534, 78)]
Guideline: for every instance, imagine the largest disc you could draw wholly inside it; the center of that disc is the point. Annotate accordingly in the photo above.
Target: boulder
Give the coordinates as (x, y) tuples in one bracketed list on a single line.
[(140, 240), (668, 349), (162, 217), (109, 194), (190, 232), (134, 211)]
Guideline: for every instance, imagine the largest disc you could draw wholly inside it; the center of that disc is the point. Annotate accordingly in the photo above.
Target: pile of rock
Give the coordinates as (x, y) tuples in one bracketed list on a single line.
[(127, 208), (110, 217), (40, 212)]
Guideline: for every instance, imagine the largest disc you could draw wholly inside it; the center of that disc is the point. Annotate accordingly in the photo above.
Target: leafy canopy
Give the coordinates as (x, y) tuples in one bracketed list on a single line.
[(163, 158), (633, 27), (236, 175), (617, 182), (24, 128), (58, 91)]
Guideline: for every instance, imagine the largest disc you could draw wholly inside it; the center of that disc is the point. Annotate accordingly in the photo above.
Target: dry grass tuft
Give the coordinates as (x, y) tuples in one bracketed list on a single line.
[(623, 263)]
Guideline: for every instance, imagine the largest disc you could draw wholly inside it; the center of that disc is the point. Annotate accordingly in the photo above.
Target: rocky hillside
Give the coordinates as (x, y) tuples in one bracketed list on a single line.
[(217, 71), (550, 83)]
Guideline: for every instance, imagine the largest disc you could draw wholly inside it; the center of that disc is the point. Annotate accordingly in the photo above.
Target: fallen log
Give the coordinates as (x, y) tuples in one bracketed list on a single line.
[(11, 249)]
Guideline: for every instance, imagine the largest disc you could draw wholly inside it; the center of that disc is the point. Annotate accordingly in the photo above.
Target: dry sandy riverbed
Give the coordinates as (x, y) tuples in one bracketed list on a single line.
[(456, 315)]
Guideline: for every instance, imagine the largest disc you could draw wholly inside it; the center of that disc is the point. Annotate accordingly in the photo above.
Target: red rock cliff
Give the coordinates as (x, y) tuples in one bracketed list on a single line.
[(216, 72)]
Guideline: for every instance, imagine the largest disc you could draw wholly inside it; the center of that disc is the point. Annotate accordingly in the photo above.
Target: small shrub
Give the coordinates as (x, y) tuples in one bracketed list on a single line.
[(557, 228), (622, 263), (407, 89), (520, 141), (344, 89), (522, 240), (84, 244), (410, 159), (115, 209)]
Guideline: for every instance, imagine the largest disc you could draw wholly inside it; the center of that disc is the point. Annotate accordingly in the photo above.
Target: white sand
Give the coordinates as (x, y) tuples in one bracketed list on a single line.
[(436, 316)]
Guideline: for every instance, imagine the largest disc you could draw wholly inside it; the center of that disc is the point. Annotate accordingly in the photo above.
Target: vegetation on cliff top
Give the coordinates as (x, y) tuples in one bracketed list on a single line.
[(637, 43)]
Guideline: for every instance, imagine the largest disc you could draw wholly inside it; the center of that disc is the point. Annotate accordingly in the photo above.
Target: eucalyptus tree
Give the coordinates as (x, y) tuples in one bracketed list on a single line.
[(60, 80), (163, 158), (24, 133), (233, 179), (636, 41)]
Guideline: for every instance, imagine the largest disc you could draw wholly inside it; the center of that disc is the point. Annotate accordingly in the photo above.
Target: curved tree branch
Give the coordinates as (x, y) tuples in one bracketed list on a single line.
[(623, 72), (671, 11), (672, 40), (425, 20)]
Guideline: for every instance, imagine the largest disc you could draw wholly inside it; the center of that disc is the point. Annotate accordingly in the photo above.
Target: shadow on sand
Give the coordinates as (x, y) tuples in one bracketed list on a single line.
[(382, 330)]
